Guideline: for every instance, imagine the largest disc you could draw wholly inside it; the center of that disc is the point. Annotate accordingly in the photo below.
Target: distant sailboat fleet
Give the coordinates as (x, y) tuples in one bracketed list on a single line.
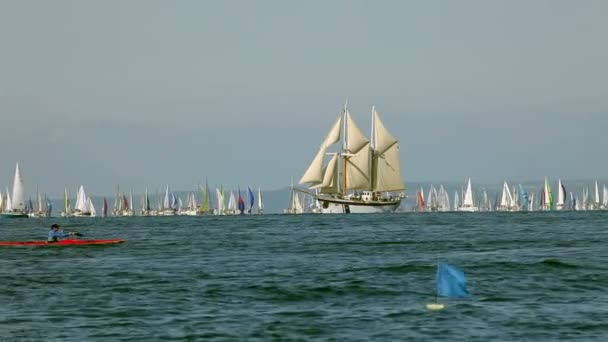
[(371, 186), (513, 199), (14, 205)]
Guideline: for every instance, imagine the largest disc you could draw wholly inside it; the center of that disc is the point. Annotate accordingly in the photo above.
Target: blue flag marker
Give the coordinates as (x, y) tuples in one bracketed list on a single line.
[(451, 282)]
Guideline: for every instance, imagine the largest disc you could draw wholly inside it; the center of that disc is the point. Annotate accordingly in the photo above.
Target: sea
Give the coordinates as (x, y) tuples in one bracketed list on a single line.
[(537, 276)]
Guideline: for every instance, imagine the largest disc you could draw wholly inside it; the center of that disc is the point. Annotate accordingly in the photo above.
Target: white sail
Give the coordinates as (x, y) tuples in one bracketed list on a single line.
[(314, 173), (468, 195), (386, 165), (506, 199), (131, 200), (605, 198), (260, 202), (232, 202), (596, 201), (18, 200), (456, 198), (220, 201), (81, 200), (91, 207), (167, 202), (9, 202)]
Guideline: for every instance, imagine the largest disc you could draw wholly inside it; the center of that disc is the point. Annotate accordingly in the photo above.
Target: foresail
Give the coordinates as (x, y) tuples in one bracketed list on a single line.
[(314, 173), (330, 177)]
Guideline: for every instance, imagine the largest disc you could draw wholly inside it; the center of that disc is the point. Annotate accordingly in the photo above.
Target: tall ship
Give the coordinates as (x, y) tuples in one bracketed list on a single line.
[(361, 175)]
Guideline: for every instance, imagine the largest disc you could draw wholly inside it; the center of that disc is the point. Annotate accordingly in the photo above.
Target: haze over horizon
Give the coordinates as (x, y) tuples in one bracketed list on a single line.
[(148, 93)]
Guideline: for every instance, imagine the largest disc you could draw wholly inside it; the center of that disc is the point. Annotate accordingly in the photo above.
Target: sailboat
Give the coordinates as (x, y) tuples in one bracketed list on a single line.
[(363, 176), (104, 208), (231, 209), (192, 208), (169, 204), (205, 208), (146, 209), (260, 202), (507, 200), (251, 201), (561, 196), (16, 206), (241, 204), (42, 207), (604, 198), (295, 203), (83, 206), (468, 202), (221, 208), (420, 204), (596, 197), (546, 197)]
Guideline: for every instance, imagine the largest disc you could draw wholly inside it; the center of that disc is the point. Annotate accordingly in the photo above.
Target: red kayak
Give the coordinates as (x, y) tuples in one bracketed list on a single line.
[(65, 242)]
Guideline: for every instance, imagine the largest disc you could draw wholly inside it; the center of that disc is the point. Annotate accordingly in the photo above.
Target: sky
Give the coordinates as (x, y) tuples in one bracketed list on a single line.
[(144, 93)]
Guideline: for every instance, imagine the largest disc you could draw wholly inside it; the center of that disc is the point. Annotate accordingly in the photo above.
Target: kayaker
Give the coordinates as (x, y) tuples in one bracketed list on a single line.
[(56, 233)]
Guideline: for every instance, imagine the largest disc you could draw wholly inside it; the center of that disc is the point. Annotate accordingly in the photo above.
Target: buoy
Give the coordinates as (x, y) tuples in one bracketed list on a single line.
[(435, 306)]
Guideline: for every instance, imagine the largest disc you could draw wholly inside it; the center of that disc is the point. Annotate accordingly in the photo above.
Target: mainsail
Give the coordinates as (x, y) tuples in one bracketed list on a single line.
[(468, 196), (386, 168), (18, 200)]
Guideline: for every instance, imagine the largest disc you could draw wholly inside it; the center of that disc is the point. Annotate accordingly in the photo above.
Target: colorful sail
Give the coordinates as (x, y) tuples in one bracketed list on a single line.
[(104, 209), (205, 205), (241, 203), (251, 199)]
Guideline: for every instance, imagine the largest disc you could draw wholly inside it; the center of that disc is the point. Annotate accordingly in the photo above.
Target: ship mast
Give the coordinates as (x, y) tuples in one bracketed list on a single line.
[(344, 149)]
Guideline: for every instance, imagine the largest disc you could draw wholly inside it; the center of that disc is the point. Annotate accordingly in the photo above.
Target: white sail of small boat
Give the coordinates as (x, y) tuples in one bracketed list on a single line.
[(260, 202), (9, 202), (232, 209), (295, 202), (468, 203), (596, 201), (18, 193), (507, 200), (169, 207), (220, 201), (456, 200), (531, 202), (91, 207), (605, 197)]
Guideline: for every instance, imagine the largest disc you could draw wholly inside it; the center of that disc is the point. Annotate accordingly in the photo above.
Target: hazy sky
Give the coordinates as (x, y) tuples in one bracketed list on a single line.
[(145, 93)]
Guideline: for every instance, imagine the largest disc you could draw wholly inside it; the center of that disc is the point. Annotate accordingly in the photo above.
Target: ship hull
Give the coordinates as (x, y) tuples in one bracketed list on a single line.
[(344, 206)]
